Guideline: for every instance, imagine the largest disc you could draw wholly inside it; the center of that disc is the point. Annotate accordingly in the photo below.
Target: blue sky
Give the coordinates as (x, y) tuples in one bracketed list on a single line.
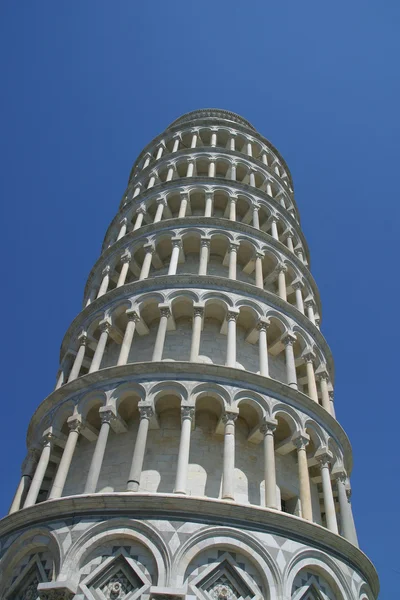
[(85, 85)]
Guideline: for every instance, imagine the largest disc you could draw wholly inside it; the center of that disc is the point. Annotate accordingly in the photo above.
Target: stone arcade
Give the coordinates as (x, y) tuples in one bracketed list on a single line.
[(190, 448)]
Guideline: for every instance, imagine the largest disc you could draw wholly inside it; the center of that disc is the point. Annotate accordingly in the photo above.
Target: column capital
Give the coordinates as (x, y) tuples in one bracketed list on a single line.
[(301, 440), (149, 247), (162, 201), (105, 325), (107, 414), (330, 392), (145, 412), (205, 241), (322, 372), (56, 590), (229, 417), (106, 270), (176, 242), (187, 412), (324, 457), (165, 310), (74, 423), (256, 205), (232, 314), (233, 246), (82, 338), (262, 324), (281, 268), (232, 197), (133, 315), (288, 338), (141, 209), (309, 302), (259, 254), (268, 426), (297, 284), (198, 309), (126, 256), (308, 355), (123, 221), (340, 475)]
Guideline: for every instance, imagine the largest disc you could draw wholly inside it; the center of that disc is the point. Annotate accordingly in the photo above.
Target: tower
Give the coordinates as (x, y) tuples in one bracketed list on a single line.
[(190, 448)]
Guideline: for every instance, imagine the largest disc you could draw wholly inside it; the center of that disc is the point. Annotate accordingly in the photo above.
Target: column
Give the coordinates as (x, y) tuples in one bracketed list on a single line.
[(232, 208), (233, 248), (133, 318), (74, 425), (274, 228), (256, 217), (213, 139), (331, 400), (146, 162), (264, 158), (229, 419), (92, 295), (28, 468), (141, 211), (312, 386), (301, 442), (232, 141), (161, 203), (107, 416), (324, 459), (122, 231), (104, 327), (145, 413), (323, 377), (231, 317), (125, 259), (106, 280), (204, 251), (233, 170), (267, 428), (289, 242), (249, 149), (176, 249), (183, 205), (209, 204), (310, 311), (152, 180), (80, 355), (47, 446), (259, 270), (282, 281), (299, 254), (165, 313), (346, 516), (160, 152), (171, 171), (149, 250), (190, 169), (198, 312), (288, 340), (175, 147), (64, 369), (269, 189), (252, 177), (297, 285), (187, 414), (194, 140), (211, 168), (262, 327)]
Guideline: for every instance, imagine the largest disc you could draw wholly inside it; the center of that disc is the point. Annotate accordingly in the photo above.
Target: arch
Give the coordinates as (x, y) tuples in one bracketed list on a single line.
[(124, 390), (164, 388), (212, 390), (62, 413), (90, 401)]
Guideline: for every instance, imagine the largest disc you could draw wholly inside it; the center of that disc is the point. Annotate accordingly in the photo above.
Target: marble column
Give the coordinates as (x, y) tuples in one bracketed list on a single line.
[(252, 177), (288, 341), (152, 180), (289, 242), (331, 400), (229, 419), (64, 369), (299, 254), (137, 189), (262, 327), (145, 413), (256, 216), (310, 310), (264, 158), (187, 415), (324, 459), (146, 162), (105, 281), (27, 471), (170, 172), (190, 169), (249, 149), (80, 355), (104, 327), (161, 204), (259, 270), (233, 170), (198, 312), (165, 313), (301, 442), (231, 317), (232, 141), (125, 259), (123, 228), (209, 204), (274, 228), (107, 415), (269, 189), (41, 468), (267, 429), (204, 252), (176, 249), (282, 281), (213, 139), (175, 147), (346, 516), (149, 251), (297, 286), (194, 140), (74, 424), (309, 358), (323, 377), (232, 208), (133, 318), (233, 249), (141, 211), (211, 168), (183, 205)]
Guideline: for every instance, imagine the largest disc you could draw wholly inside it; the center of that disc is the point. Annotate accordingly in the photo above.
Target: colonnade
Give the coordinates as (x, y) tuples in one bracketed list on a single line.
[(110, 419)]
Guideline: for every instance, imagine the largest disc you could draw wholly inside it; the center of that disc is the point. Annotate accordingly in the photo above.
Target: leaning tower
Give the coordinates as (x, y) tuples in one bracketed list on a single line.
[(190, 447)]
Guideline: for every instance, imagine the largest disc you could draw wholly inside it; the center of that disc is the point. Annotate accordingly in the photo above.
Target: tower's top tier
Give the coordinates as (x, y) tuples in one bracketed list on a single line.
[(212, 113)]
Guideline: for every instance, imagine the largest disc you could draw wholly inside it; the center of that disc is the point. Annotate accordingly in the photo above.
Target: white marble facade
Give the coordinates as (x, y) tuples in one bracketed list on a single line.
[(190, 448)]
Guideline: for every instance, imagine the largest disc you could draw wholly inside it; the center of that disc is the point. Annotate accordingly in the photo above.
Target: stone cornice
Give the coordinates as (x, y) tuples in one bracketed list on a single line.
[(175, 127), (208, 182), (209, 222), (185, 508), (205, 150), (141, 372), (202, 282), (206, 113)]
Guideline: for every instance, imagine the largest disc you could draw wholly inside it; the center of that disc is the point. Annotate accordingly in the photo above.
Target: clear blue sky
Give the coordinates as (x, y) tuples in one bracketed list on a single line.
[(85, 85)]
